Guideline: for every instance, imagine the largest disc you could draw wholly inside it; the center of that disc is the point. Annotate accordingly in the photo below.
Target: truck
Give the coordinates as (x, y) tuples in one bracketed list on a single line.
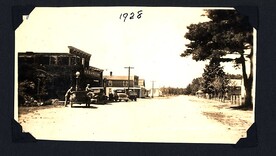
[(120, 95), (132, 95), (94, 95)]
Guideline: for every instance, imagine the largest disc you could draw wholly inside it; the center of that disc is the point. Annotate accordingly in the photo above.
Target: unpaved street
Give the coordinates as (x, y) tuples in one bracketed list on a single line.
[(185, 119)]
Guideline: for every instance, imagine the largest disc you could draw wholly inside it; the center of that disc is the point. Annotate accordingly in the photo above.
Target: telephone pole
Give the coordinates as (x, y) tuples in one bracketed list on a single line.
[(152, 88), (129, 76)]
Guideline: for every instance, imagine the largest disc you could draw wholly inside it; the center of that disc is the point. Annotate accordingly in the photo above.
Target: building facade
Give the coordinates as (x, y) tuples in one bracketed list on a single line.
[(121, 82), (235, 91), (56, 72)]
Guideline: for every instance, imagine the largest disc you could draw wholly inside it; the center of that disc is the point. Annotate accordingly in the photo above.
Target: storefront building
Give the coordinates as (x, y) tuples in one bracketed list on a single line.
[(56, 72)]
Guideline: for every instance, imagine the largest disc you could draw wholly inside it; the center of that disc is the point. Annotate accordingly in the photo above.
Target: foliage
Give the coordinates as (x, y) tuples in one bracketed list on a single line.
[(227, 32), (188, 90), (25, 90), (172, 91), (34, 81), (214, 79), (194, 86), (220, 84)]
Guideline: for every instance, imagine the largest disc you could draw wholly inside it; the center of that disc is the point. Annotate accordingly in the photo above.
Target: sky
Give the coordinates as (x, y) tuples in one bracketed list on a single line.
[(151, 44)]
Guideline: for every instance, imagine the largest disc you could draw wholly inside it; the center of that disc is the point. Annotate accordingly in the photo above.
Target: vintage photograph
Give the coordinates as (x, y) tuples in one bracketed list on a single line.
[(135, 74)]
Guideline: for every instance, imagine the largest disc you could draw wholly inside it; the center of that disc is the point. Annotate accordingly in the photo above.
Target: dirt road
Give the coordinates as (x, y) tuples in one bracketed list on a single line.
[(184, 119)]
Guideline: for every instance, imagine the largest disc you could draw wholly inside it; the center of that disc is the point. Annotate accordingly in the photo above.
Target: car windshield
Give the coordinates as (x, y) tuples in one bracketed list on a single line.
[(120, 91), (96, 90), (132, 93)]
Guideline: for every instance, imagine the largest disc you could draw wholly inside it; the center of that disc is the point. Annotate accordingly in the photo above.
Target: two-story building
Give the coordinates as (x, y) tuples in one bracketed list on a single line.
[(113, 82), (57, 71)]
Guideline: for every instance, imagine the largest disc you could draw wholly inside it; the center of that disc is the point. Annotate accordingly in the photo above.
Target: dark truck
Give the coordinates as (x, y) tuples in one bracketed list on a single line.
[(124, 95), (94, 95), (120, 95), (79, 97), (98, 95), (132, 95)]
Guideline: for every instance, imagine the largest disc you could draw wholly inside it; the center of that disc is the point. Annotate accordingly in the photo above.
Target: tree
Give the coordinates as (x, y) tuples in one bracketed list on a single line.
[(220, 85), (188, 90), (36, 78), (172, 91), (227, 32), (214, 79), (25, 90), (194, 86)]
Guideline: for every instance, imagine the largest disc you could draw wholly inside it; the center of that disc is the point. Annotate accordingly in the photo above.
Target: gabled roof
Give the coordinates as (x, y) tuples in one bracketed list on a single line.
[(76, 51), (95, 69)]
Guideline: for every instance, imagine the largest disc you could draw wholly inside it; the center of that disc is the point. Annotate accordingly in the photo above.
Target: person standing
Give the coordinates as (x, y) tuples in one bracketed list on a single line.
[(67, 95), (87, 88)]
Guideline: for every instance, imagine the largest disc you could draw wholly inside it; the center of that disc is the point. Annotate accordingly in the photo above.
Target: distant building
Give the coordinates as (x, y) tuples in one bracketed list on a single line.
[(61, 67), (235, 91), (155, 92), (143, 90), (113, 82), (142, 82)]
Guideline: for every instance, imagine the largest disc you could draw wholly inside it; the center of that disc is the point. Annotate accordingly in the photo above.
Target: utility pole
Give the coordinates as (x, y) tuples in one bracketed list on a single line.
[(129, 76), (152, 88)]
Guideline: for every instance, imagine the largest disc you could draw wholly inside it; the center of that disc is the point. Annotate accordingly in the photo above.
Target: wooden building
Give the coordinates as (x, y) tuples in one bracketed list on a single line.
[(234, 91), (57, 71), (121, 82)]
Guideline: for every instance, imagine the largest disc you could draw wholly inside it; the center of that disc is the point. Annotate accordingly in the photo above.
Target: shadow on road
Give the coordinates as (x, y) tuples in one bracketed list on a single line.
[(90, 107)]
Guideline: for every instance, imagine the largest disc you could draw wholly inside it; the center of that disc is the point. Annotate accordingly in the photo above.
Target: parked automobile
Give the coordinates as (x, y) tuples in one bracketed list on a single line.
[(98, 95), (79, 97), (120, 95), (132, 95)]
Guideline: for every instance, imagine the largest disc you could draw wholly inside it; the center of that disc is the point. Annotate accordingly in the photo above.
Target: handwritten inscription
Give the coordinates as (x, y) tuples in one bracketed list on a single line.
[(131, 16)]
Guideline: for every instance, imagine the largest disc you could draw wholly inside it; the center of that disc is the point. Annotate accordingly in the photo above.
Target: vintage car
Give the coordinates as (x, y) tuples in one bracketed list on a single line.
[(132, 95), (79, 97), (94, 95), (120, 95), (98, 95)]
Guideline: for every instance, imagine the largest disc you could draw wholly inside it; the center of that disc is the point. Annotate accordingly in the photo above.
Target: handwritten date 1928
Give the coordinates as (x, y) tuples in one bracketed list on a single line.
[(125, 16)]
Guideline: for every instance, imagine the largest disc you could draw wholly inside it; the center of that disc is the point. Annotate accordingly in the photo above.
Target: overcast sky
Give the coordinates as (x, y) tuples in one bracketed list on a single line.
[(151, 44)]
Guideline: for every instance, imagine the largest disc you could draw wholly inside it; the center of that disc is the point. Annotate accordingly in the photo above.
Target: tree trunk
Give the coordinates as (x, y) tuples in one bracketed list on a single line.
[(248, 81), (248, 97)]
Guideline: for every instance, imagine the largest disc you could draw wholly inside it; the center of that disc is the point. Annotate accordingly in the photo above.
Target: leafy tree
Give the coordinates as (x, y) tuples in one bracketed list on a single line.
[(227, 32), (33, 80), (194, 86), (25, 89), (188, 90), (214, 79), (220, 84), (172, 91)]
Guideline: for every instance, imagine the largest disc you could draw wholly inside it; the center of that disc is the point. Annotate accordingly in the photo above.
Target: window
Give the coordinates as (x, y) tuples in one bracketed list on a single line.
[(125, 83), (73, 61), (110, 83), (44, 60), (63, 60), (53, 60), (78, 60)]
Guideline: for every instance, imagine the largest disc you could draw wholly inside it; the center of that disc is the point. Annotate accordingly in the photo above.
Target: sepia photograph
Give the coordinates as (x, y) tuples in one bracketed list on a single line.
[(136, 74)]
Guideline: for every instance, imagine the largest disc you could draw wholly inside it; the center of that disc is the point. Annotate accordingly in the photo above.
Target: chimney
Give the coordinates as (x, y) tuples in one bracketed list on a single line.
[(111, 73)]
